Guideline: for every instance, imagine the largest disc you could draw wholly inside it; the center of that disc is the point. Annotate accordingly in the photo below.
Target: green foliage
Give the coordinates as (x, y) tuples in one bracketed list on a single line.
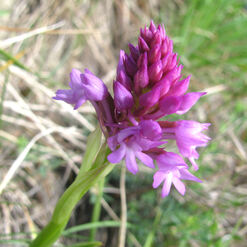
[(87, 244), (180, 224)]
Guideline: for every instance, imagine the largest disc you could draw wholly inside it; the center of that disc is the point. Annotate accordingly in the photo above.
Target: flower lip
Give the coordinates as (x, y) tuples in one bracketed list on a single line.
[(172, 169)]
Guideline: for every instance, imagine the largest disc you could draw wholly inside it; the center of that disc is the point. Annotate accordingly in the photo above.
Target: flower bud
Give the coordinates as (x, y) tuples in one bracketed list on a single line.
[(180, 87), (152, 27), (141, 77), (146, 34), (122, 97), (156, 40), (134, 51), (162, 31), (130, 65), (155, 71), (173, 62), (188, 100), (150, 98), (124, 79), (170, 104), (142, 45), (154, 54), (164, 47)]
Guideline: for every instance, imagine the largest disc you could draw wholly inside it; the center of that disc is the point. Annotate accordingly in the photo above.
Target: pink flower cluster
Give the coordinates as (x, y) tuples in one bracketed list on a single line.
[(148, 87)]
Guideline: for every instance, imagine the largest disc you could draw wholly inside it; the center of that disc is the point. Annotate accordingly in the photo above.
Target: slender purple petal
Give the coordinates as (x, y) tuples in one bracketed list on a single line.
[(167, 185), (159, 177), (79, 102), (117, 156), (131, 161), (179, 185), (180, 87), (75, 78), (185, 174), (145, 159), (188, 100)]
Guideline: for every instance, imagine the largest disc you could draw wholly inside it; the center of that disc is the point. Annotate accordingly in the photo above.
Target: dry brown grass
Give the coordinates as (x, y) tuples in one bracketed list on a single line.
[(50, 38)]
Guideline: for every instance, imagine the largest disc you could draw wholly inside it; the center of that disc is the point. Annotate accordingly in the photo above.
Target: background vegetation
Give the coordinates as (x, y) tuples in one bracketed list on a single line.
[(42, 141)]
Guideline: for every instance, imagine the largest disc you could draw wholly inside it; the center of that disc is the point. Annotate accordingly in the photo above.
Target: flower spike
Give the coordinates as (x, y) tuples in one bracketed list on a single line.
[(149, 85)]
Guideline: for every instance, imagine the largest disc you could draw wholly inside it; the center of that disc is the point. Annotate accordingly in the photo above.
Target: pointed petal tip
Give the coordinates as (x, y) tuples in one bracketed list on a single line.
[(194, 165)]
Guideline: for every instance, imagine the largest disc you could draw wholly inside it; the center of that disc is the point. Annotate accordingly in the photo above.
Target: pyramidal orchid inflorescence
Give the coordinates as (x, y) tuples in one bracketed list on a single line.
[(148, 87)]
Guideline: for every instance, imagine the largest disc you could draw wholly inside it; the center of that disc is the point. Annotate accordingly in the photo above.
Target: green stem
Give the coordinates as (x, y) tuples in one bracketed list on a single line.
[(151, 235), (97, 208), (68, 201), (93, 146)]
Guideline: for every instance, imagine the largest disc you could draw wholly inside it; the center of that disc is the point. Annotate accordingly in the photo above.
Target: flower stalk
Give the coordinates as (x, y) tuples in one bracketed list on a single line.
[(85, 179), (97, 208)]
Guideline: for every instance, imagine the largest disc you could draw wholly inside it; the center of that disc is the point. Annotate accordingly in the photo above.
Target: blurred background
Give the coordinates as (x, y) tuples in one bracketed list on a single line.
[(42, 141)]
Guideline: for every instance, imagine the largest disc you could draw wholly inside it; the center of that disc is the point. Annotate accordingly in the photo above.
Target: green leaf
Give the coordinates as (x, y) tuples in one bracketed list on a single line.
[(21, 242), (102, 155), (7, 57), (151, 235), (93, 225), (67, 203), (93, 145), (87, 244)]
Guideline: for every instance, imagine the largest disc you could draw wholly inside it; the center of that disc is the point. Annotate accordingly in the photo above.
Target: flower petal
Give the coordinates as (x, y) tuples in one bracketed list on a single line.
[(179, 185), (188, 100), (75, 79), (79, 102), (167, 185), (150, 129), (130, 161), (117, 156), (192, 161), (180, 87), (186, 175), (158, 177), (170, 159), (71, 96), (94, 88), (112, 142), (145, 159)]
